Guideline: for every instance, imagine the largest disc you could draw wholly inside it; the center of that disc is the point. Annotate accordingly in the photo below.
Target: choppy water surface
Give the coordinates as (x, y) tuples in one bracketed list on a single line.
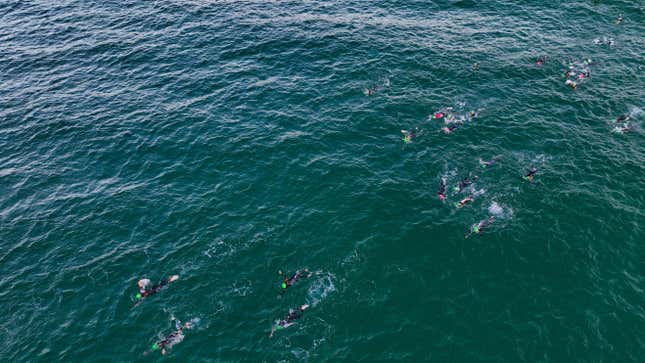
[(227, 140)]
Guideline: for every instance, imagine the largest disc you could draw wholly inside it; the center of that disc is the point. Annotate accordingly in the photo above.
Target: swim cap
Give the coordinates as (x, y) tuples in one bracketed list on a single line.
[(455, 189), (475, 229), (278, 327), (284, 285), (138, 296), (483, 165), (155, 346)]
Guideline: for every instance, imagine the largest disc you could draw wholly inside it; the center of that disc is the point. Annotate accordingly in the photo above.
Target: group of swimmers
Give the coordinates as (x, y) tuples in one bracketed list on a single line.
[(293, 314), (465, 182), (452, 120), (577, 73), (147, 289)]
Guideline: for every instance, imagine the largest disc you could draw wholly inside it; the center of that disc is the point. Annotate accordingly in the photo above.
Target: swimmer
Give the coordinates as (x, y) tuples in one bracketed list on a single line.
[(623, 118), (289, 320), (491, 162), (479, 227), (472, 114), (371, 91), (583, 75), (442, 189), (145, 292), (541, 59), (172, 338), (475, 67), (464, 201), (571, 84), (622, 129), (408, 136), (290, 281), (450, 128), (530, 174), (620, 19), (464, 183)]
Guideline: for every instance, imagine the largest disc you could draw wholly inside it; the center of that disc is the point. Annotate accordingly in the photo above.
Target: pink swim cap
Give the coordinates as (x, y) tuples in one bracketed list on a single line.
[(438, 115)]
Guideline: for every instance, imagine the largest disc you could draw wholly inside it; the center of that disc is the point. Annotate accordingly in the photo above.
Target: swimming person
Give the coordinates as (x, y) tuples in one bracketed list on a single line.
[(289, 281), (172, 338), (464, 183), (289, 320), (479, 227), (530, 174), (484, 164), (144, 291), (541, 59), (623, 118), (475, 67), (371, 91), (571, 84), (620, 19), (464, 201), (409, 135), (450, 128), (442, 189), (623, 128)]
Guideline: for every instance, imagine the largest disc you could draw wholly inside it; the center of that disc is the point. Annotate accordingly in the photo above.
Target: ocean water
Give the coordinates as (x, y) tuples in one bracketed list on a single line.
[(225, 141)]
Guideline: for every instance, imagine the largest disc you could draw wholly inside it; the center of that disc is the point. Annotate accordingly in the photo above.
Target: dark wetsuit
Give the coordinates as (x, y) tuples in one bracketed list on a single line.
[(530, 174), (442, 189), (465, 182), (290, 318), (452, 127), (297, 276), (155, 289), (622, 118), (294, 315), (171, 339), (486, 223)]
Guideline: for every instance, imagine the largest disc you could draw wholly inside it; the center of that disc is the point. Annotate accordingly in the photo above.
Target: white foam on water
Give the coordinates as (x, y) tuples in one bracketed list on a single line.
[(496, 209), (320, 289)]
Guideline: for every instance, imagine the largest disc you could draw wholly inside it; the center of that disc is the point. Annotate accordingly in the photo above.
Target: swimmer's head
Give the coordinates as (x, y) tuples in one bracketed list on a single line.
[(442, 196), (155, 346), (283, 285), (143, 283), (475, 229), (138, 296)]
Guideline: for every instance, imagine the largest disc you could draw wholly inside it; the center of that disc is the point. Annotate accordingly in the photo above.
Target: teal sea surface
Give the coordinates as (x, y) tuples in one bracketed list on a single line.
[(227, 141)]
